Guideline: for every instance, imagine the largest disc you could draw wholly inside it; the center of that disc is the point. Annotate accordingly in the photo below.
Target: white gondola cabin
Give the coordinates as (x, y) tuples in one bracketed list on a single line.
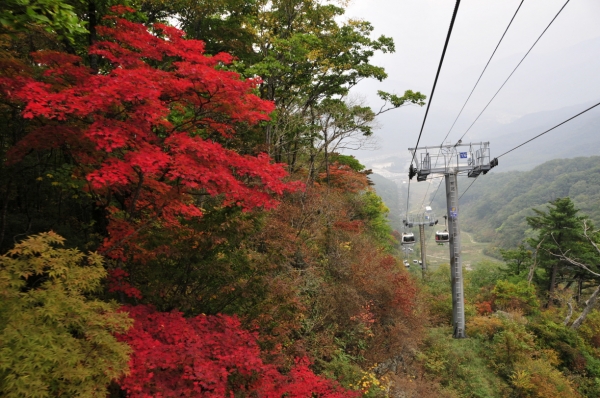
[(442, 237), (408, 238)]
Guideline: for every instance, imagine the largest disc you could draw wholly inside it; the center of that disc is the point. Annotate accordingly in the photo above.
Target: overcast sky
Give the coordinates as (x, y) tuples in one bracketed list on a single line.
[(561, 71)]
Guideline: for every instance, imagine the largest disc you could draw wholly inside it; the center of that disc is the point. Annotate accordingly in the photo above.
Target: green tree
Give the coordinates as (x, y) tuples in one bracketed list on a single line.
[(515, 296), (517, 260), (347, 124), (309, 61), (223, 25), (560, 228), (54, 339), (53, 16), (374, 212), (349, 161), (588, 266)]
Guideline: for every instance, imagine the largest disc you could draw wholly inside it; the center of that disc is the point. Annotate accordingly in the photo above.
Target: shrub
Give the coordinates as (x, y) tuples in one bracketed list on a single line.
[(484, 326), (54, 340), (538, 378), (519, 296), (209, 356), (511, 345)]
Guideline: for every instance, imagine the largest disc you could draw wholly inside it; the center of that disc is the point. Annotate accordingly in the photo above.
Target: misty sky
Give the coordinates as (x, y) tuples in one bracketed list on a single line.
[(561, 71)]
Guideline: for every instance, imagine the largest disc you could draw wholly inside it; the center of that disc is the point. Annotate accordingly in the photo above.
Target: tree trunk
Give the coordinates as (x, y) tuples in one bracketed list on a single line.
[(92, 22), (552, 284), (532, 268), (268, 139), (326, 156), (278, 153), (589, 305), (569, 315), (311, 168)]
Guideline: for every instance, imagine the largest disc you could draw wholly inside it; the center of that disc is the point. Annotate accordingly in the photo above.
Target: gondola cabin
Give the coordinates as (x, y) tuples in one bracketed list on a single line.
[(442, 237), (408, 238)]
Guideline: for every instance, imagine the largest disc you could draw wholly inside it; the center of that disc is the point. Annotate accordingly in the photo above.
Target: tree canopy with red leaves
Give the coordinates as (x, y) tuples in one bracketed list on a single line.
[(145, 129), (210, 356), (146, 145)]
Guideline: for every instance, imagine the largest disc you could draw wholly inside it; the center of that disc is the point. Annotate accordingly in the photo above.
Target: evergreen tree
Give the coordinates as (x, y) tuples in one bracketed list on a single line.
[(517, 260), (559, 229)]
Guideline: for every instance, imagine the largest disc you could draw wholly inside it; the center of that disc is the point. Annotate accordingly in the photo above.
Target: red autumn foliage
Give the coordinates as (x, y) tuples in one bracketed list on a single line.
[(343, 178), (144, 131), (349, 226), (484, 308), (405, 291), (117, 282), (209, 356), (376, 300)]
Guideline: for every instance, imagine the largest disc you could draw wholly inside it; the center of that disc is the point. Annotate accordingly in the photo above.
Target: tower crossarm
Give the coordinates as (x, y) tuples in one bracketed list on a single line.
[(472, 158)]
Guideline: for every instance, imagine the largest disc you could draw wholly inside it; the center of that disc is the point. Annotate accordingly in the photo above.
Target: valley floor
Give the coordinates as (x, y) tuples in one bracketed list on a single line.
[(472, 252)]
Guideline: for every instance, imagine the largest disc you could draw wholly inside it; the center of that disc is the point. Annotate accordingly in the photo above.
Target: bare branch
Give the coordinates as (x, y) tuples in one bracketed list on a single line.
[(532, 268), (585, 230), (563, 256), (589, 304)]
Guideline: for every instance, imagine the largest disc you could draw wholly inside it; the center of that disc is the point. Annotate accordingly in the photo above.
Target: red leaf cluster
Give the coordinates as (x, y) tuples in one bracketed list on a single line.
[(145, 128), (405, 291), (209, 356), (484, 308), (117, 282), (343, 178)]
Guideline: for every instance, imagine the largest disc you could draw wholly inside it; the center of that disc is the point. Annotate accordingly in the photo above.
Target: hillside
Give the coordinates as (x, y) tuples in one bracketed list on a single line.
[(388, 191), (179, 218), (495, 207), (574, 139)]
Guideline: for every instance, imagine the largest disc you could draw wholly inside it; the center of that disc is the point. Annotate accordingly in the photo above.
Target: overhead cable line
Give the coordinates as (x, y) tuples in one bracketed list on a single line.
[(435, 194), (547, 131), (516, 67), (407, 199), (472, 182), (424, 197), (437, 75), (472, 90), (483, 71), (537, 136)]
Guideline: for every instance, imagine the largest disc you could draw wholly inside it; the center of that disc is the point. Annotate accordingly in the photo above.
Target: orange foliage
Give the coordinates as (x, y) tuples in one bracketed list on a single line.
[(486, 326), (538, 378), (348, 285), (350, 226), (343, 178), (484, 308)]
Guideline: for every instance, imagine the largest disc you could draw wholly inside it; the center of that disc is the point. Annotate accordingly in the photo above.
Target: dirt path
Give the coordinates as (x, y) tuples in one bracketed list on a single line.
[(441, 258), (470, 237)]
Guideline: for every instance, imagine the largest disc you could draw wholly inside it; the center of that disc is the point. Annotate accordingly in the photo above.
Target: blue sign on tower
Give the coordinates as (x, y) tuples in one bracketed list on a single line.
[(463, 155)]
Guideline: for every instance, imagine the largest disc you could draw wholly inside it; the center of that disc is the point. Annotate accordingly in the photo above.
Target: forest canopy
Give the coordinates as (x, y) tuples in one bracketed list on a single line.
[(181, 216)]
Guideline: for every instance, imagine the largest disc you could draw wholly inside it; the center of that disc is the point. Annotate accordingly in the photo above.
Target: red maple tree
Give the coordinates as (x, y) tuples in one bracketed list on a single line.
[(209, 356), (144, 130)]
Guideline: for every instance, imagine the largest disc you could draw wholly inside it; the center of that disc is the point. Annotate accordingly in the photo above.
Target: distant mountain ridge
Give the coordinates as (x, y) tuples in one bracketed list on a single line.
[(389, 193), (578, 137), (495, 208)]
